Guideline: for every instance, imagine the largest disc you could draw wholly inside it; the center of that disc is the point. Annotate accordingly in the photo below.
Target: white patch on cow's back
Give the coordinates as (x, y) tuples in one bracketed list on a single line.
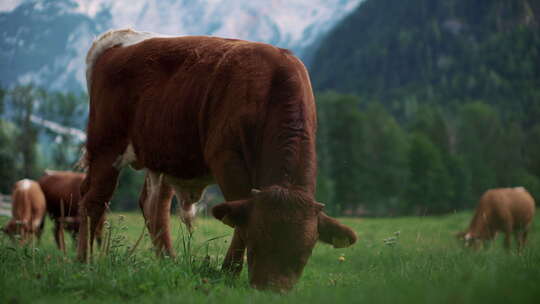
[(519, 188), (126, 158), (26, 184), (107, 40)]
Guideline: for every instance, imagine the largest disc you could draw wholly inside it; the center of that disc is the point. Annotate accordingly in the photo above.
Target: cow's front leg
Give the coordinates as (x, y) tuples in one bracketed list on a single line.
[(234, 260), (234, 180), (97, 190), (522, 239)]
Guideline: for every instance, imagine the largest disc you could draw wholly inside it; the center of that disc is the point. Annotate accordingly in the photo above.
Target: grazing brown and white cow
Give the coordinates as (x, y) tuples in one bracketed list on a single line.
[(509, 210), (62, 190), (28, 211), (194, 110)]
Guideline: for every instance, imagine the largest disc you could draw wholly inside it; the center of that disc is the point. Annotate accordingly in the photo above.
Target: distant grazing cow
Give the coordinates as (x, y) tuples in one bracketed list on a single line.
[(27, 209), (196, 110), (507, 210), (62, 188)]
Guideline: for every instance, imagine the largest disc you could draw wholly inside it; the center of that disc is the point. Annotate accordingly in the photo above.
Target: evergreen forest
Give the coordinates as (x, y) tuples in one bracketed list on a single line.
[(424, 105)]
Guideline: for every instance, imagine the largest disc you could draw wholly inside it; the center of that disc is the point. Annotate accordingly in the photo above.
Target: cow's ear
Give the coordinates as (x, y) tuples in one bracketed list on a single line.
[(232, 213), (333, 232)]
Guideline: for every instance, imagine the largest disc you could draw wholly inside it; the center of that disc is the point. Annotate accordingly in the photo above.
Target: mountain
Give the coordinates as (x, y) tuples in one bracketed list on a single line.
[(45, 42), (445, 51)]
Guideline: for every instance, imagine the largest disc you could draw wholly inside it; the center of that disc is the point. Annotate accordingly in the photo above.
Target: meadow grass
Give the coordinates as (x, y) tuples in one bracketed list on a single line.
[(397, 260)]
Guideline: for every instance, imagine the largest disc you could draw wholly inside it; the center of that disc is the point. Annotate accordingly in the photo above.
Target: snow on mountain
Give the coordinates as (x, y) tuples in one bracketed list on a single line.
[(45, 41), (289, 23), (9, 5)]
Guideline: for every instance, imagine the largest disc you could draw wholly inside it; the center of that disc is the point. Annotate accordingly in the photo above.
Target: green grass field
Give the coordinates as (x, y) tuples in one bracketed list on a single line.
[(397, 260)]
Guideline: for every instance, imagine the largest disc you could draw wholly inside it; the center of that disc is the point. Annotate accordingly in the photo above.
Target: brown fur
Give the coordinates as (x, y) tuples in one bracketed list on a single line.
[(198, 109), (507, 210), (62, 188), (28, 211)]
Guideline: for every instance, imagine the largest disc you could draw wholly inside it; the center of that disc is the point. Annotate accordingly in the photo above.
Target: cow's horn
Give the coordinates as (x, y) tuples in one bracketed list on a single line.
[(318, 205), (255, 191)]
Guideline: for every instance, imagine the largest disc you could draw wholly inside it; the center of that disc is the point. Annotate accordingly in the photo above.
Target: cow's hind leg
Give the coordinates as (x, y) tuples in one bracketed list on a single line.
[(97, 190), (75, 237), (58, 238), (524, 235), (521, 238), (155, 203), (507, 239)]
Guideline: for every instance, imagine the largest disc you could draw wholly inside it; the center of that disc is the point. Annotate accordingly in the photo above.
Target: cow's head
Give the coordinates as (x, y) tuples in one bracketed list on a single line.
[(279, 228), (468, 239), (15, 230)]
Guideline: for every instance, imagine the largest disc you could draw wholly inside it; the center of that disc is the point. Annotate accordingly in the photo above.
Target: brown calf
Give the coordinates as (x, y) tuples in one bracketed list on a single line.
[(197, 110), (28, 211), (509, 210), (62, 193)]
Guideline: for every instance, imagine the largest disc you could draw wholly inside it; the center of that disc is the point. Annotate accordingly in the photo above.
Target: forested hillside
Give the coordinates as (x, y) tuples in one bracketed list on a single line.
[(443, 103), (443, 51), (44, 42), (45, 130)]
